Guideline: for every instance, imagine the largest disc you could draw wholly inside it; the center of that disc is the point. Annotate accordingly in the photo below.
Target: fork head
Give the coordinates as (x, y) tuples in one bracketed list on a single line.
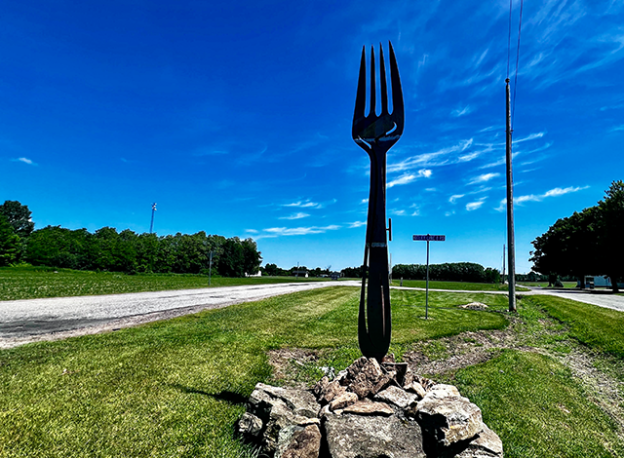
[(372, 132)]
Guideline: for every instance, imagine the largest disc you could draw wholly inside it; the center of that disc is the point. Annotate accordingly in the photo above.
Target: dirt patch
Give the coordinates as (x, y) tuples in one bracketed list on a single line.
[(288, 362), (450, 354)]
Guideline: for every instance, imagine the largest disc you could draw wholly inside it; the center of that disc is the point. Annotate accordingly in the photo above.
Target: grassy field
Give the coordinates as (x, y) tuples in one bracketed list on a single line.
[(37, 282), (544, 284), (454, 285), (176, 388), (40, 282)]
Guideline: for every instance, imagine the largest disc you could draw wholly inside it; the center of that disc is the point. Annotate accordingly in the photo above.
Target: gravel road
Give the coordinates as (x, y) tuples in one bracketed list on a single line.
[(33, 320)]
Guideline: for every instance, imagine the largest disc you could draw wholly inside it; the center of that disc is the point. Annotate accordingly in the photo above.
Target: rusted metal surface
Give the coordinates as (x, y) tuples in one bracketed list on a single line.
[(376, 133)]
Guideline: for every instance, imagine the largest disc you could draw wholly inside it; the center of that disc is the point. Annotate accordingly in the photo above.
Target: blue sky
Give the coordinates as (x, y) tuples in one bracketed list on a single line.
[(235, 117)]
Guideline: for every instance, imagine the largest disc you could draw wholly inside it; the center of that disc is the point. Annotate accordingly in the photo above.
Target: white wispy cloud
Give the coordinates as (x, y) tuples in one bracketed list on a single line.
[(303, 204), (474, 205), (355, 224), (251, 231), (555, 192), (25, 160), (453, 198), (298, 215), (437, 158), (483, 178), (286, 231), (461, 111), (409, 177)]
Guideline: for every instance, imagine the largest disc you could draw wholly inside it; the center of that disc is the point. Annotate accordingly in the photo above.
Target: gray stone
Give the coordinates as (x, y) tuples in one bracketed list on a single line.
[(417, 389), (250, 426), (366, 377), (320, 386), (448, 419), (344, 400), (354, 436), (486, 445), (299, 442), (366, 407), (396, 396), (281, 424), (443, 391), (331, 391), (301, 402)]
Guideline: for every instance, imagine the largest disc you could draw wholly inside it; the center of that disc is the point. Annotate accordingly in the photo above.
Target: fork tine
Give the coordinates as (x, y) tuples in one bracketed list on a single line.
[(397, 92), (372, 84), (382, 81), (360, 98)]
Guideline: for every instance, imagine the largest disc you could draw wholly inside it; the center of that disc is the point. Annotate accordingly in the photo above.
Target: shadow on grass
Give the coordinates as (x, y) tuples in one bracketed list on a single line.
[(227, 396)]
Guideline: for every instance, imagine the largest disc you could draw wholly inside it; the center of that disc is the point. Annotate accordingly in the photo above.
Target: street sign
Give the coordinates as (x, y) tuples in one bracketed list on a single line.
[(432, 238), (428, 238)]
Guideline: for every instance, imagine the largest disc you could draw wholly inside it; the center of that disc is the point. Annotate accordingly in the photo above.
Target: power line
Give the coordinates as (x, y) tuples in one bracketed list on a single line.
[(509, 37), (513, 105)]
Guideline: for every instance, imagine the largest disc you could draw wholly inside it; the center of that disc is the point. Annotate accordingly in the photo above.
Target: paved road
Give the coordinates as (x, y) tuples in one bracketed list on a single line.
[(58, 318), (600, 298), (32, 320)]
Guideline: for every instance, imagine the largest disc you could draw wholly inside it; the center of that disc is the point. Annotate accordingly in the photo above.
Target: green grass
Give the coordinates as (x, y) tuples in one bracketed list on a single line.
[(176, 388), (39, 282), (538, 409), (544, 284), (454, 285), (597, 327)]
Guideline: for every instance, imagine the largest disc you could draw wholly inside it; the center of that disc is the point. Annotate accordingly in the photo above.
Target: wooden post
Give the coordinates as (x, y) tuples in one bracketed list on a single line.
[(511, 257)]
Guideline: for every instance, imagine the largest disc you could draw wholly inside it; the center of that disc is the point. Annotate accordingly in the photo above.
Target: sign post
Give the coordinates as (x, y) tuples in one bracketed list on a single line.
[(428, 238)]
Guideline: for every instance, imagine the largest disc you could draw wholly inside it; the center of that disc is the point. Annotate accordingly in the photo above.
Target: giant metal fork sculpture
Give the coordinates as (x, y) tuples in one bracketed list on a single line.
[(376, 134)]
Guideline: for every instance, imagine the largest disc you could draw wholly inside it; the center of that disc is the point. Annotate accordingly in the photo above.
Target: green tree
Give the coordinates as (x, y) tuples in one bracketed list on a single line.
[(9, 242), (232, 259), (19, 216), (569, 247), (251, 257), (610, 221)]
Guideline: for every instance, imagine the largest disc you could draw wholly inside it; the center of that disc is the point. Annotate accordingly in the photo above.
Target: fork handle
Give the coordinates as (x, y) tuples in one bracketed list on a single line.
[(374, 321)]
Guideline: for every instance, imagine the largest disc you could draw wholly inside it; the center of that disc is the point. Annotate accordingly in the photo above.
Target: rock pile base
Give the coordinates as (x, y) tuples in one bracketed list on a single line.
[(369, 410)]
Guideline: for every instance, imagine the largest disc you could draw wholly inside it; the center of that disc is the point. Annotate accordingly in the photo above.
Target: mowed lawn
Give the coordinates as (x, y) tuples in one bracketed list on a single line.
[(454, 285), (176, 388), (39, 282)]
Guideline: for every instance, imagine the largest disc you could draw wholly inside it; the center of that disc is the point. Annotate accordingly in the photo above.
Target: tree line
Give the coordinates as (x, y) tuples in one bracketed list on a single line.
[(589, 242), (125, 251), (455, 271)]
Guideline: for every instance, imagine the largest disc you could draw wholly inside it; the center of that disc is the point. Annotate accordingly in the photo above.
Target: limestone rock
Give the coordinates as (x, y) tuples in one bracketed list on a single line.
[(417, 389), (367, 407), (249, 425), (299, 442), (396, 396), (448, 419), (333, 390), (344, 400), (282, 424), (301, 402), (355, 436), (366, 377), (320, 386), (443, 391), (486, 445)]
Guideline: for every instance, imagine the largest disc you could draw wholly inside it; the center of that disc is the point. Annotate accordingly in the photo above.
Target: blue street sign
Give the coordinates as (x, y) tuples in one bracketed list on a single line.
[(430, 238)]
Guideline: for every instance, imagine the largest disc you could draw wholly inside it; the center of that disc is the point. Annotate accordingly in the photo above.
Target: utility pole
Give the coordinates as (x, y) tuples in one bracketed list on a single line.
[(511, 257), (152, 223)]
